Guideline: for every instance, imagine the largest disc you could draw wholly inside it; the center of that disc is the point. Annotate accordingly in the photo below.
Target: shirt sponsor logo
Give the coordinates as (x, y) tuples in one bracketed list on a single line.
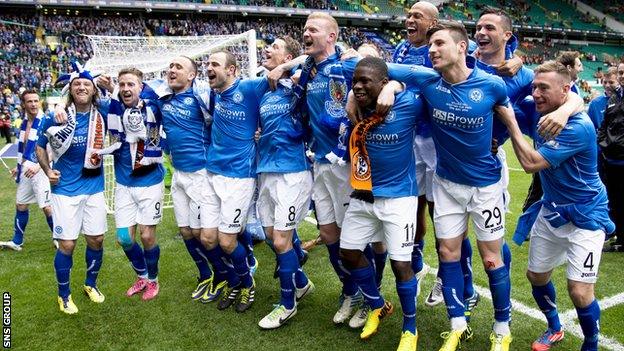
[(452, 119), (176, 112), (223, 111), (381, 138), (317, 86), (274, 108)]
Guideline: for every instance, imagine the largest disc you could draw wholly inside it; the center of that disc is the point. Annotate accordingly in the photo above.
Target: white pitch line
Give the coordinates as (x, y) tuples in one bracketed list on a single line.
[(567, 318)]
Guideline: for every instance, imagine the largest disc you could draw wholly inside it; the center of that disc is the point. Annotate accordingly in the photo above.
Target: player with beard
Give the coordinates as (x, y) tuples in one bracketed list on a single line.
[(134, 127), (232, 170), (77, 183)]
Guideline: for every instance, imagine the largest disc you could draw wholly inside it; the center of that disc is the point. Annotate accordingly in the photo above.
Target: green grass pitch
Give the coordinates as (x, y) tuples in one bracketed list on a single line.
[(174, 322)]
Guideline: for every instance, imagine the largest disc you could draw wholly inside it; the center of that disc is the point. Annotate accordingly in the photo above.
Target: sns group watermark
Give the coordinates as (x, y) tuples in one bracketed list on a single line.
[(6, 320)]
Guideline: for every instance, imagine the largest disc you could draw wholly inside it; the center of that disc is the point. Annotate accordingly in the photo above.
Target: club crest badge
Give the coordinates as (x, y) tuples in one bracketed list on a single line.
[(476, 95), (338, 94), (238, 97)]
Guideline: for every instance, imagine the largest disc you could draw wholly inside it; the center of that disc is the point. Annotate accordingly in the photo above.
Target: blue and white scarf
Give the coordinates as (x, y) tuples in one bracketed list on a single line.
[(335, 98), (139, 127), (31, 144), (60, 138)]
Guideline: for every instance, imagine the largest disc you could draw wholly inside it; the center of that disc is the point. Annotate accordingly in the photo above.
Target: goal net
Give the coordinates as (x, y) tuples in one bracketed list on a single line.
[(152, 56)]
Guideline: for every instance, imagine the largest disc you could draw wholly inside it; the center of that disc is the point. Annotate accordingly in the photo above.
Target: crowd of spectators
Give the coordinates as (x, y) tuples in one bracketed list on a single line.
[(28, 60)]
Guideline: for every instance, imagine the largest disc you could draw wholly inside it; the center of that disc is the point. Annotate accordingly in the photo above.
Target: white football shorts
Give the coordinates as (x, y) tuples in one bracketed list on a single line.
[(284, 199), (75, 214), (455, 203), (392, 220), (331, 192), (550, 247), (138, 205)]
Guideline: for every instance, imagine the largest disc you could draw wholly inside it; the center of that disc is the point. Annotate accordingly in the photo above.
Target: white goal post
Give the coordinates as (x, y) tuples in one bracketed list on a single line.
[(152, 56)]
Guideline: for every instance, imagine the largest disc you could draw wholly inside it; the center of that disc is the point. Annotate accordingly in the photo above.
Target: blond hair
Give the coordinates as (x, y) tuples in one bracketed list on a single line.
[(332, 24), (554, 66)]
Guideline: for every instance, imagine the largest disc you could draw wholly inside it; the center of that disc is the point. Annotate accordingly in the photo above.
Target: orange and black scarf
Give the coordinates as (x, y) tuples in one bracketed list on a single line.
[(361, 179)]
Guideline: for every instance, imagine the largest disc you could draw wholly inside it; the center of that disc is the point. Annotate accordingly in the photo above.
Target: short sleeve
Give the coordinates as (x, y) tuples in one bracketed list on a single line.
[(594, 113), (42, 139), (348, 66), (256, 86), (499, 92), (569, 142), (411, 75)]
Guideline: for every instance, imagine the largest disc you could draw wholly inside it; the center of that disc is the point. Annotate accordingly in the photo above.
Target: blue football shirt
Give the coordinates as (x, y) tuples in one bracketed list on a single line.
[(278, 152), (390, 148), (72, 182), (326, 98), (232, 151), (186, 131), (462, 118)]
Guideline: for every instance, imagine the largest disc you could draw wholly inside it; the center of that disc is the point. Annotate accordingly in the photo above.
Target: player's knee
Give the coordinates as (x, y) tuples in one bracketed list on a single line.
[(281, 244), (402, 270), (330, 233), (67, 246), (47, 211), (186, 233), (95, 242), (123, 238), (208, 241), (352, 258), (379, 247), (538, 279), (21, 207), (491, 260), (581, 294), (447, 254), (282, 240), (228, 242)]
